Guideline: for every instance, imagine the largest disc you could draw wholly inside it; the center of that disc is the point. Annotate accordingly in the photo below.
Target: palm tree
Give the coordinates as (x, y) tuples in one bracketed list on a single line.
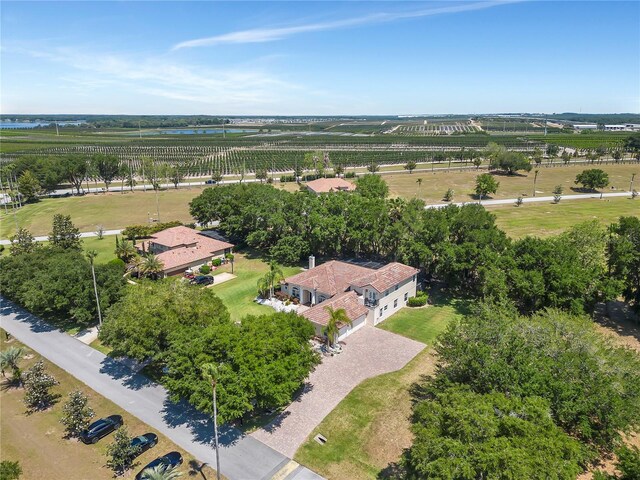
[(419, 182), (9, 359), (269, 280), (336, 317), (125, 250), (211, 373), (161, 472), (150, 266)]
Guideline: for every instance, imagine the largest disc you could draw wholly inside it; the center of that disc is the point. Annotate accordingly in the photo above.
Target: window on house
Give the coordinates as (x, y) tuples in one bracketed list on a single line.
[(406, 296), (380, 312), (386, 306), (395, 303)]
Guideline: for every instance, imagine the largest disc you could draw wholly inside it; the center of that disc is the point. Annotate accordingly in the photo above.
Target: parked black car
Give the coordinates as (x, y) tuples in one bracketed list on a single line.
[(171, 459), (144, 442), (210, 182), (202, 280), (101, 428)]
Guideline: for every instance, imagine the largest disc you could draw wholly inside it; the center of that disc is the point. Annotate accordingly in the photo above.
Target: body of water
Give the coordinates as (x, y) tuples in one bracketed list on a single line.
[(16, 125), (197, 131)]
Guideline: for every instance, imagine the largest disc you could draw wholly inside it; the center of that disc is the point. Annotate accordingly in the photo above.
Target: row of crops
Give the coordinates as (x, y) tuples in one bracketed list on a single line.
[(436, 129)]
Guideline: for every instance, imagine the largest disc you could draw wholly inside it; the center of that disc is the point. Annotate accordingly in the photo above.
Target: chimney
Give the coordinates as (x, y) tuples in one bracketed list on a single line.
[(312, 262)]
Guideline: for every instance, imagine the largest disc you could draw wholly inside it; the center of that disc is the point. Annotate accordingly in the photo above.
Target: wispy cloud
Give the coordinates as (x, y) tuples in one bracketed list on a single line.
[(261, 35), (161, 77)]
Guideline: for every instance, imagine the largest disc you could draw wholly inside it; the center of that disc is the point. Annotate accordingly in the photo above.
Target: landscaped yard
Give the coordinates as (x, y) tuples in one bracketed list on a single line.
[(370, 427), (239, 293), (545, 219), (37, 441)]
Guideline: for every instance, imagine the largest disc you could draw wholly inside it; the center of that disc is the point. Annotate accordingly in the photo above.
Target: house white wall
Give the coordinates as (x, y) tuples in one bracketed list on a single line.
[(345, 331), (392, 300)]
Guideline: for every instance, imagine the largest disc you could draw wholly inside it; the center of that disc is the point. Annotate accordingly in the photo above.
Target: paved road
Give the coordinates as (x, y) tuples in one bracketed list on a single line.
[(511, 201), (44, 238), (241, 457)]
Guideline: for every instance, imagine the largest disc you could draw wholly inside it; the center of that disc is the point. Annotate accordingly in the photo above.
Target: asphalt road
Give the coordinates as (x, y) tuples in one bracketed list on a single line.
[(241, 457)]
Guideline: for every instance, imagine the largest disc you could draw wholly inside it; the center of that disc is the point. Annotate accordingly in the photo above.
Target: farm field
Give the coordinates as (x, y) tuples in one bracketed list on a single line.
[(378, 408), (36, 440), (434, 185), (546, 219), (113, 210)]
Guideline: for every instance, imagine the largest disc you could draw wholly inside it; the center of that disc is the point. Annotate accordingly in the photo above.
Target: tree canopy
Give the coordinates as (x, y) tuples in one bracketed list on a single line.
[(592, 179)]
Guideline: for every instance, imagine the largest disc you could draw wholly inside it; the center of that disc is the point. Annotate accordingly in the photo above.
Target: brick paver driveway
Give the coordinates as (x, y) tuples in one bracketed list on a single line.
[(367, 353)]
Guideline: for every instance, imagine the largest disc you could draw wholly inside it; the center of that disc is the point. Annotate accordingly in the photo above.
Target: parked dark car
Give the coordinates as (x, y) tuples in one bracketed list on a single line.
[(210, 182), (171, 459), (101, 428), (202, 280), (144, 442)]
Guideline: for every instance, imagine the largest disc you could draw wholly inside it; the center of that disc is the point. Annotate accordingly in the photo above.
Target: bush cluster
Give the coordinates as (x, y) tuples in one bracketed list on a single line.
[(133, 232), (420, 300)]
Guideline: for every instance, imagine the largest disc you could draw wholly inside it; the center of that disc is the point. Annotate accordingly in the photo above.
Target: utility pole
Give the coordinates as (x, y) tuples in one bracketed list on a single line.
[(91, 255), (211, 373), (633, 175), (535, 178)]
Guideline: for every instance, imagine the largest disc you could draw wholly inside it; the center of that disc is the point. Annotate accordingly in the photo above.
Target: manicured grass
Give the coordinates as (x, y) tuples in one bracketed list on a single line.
[(37, 442), (423, 324), (434, 185), (112, 210), (105, 247), (545, 219), (239, 293), (370, 427)]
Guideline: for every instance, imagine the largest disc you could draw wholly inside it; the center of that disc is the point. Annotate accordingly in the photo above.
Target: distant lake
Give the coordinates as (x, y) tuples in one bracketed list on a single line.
[(15, 125), (198, 131)]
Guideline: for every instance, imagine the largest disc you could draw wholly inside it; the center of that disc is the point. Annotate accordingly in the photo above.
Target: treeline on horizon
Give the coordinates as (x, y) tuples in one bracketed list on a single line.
[(158, 121)]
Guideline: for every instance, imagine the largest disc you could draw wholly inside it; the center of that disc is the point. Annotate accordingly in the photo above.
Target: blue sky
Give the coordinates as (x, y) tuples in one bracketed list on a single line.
[(319, 58)]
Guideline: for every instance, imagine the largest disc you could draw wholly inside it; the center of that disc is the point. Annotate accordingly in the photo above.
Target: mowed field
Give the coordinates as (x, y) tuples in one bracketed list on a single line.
[(112, 210), (545, 219), (434, 185), (37, 442)]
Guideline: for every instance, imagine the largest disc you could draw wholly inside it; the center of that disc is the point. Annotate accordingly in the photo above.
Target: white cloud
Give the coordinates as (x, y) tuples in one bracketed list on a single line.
[(260, 35)]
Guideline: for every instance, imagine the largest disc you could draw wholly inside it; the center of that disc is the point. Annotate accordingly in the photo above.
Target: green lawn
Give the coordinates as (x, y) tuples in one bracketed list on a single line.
[(423, 324), (370, 427), (238, 294), (545, 219), (112, 210), (104, 247)]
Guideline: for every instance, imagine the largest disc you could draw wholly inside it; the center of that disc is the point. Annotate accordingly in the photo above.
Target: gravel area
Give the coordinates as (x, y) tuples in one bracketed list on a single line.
[(368, 352)]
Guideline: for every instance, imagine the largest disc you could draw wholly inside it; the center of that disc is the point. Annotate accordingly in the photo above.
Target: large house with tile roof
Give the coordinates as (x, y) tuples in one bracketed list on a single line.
[(367, 295), (328, 185), (180, 248)]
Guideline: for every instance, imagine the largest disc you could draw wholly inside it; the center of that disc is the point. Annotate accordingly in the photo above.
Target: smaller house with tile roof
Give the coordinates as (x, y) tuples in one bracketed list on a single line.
[(328, 185), (180, 248), (367, 295)]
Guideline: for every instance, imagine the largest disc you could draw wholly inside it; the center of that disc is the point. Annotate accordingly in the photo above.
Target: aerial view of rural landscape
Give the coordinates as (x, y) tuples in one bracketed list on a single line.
[(306, 240)]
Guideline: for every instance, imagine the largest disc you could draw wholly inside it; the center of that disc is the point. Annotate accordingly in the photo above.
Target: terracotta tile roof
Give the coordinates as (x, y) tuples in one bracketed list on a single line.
[(183, 256), (331, 277), (386, 277), (184, 236), (186, 246), (326, 185), (348, 300)]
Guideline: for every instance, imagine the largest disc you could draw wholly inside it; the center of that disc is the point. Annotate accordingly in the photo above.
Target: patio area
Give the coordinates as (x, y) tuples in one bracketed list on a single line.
[(366, 353)]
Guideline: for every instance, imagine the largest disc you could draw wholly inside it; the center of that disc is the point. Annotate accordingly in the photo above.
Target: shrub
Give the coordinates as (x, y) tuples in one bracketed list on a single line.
[(287, 178), (121, 452), (76, 413), (420, 300), (350, 175), (37, 385), (216, 262), (143, 231), (205, 269), (10, 470), (448, 196)]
